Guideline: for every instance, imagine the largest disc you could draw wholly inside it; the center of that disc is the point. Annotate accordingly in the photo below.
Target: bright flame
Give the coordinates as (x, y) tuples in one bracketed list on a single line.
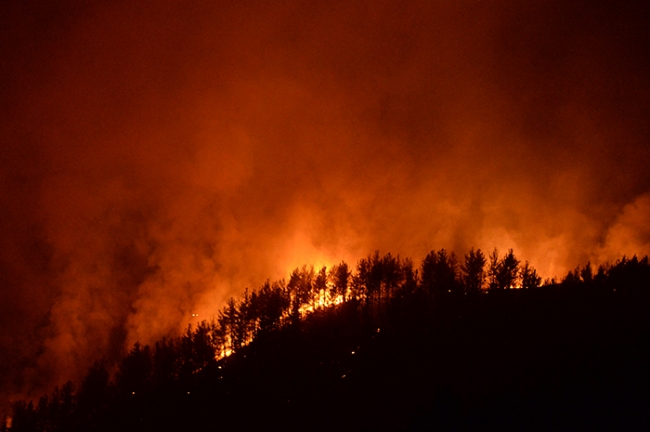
[(324, 301), (224, 353)]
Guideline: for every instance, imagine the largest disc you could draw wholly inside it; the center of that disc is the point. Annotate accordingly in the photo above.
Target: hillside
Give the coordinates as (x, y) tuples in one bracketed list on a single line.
[(570, 356)]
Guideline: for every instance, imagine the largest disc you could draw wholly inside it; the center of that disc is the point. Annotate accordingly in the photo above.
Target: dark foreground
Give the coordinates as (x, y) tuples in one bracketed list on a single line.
[(546, 359)]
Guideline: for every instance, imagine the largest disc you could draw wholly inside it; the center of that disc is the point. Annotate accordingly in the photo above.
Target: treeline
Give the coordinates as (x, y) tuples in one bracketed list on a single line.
[(166, 375)]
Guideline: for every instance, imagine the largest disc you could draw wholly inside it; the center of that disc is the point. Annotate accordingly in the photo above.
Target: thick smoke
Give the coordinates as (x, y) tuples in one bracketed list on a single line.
[(158, 159)]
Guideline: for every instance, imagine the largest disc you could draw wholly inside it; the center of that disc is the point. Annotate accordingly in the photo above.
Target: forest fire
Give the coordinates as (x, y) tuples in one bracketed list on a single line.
[(263, 335), (375, 282), (160, 158)]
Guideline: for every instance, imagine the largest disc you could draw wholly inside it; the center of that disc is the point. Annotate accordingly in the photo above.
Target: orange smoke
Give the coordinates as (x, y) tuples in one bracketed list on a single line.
[(158, 159)]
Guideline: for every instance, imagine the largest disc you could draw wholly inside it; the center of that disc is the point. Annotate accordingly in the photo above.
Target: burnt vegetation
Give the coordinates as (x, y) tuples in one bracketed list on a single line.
[(455, 344)]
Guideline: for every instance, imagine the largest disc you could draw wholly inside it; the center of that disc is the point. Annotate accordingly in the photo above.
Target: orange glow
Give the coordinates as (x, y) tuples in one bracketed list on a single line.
[(322, 303), (225, 353), (298, 249), (159, 159)]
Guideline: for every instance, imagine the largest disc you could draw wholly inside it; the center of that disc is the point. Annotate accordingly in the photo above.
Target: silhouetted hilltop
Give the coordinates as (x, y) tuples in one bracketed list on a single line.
[(388, 347)]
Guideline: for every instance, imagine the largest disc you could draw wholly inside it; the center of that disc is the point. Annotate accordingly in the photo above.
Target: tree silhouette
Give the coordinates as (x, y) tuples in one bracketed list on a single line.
[(392, 273), (630, 274), (93, 397), (245, 323), (439, 272), (229, 319), (272, 301), (410, 279), (572, 278), (284, 350), (493, 270), (340, 276), (300, 291), (57, 414), (375, 277), (507, 271), (587, 273), (474, 271), (362, 284), (601, 276), (320, 287), (135, 370), (197, 350), (164, 364), (529, 277)]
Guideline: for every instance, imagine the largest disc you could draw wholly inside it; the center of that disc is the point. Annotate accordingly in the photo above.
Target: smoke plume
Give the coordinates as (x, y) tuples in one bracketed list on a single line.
[(159, 158)]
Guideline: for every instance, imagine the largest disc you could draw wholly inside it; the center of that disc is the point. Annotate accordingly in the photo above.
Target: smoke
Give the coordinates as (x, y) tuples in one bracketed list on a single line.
[(629, 234), (158, 159)]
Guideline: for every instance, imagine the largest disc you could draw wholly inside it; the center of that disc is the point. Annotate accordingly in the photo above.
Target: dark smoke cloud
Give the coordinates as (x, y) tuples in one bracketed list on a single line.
[(160, 158)]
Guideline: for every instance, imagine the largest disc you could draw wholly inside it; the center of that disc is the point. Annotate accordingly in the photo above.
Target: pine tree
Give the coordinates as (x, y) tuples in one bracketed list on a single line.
[(474, 271)]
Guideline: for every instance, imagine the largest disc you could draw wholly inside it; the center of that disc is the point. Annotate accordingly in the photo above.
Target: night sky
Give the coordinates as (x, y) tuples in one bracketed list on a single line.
[(159, 157)]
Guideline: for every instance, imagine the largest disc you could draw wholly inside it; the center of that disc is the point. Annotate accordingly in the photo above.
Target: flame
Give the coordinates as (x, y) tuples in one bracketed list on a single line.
[(324, 301)]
